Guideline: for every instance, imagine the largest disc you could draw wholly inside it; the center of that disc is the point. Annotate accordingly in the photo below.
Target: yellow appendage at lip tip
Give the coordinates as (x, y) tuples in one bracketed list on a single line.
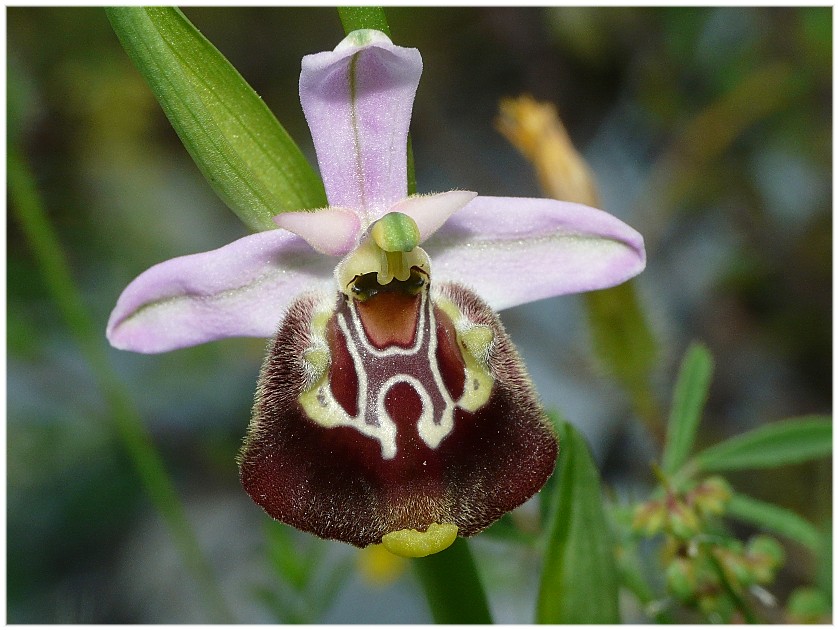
[(412, 543)]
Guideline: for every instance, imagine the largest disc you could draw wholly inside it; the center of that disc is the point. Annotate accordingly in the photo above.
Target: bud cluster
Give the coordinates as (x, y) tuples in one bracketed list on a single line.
[(695, 576), (682, 515), (703, 568)]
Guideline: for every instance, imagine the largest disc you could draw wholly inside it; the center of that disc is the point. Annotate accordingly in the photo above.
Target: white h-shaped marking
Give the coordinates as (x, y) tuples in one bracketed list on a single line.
[(416, 366)]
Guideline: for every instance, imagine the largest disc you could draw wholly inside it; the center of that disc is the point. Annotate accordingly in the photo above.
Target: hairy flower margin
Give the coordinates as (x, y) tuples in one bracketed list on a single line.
[(392, 406)]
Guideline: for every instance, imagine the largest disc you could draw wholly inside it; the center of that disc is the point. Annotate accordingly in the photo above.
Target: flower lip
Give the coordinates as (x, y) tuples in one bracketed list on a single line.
[(429, 434)]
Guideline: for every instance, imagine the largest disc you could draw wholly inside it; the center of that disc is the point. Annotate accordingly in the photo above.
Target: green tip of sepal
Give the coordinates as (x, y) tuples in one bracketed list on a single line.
[(364, 37)]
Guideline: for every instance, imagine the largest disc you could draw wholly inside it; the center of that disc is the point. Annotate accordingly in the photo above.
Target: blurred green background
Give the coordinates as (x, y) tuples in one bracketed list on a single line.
[(709, 130)]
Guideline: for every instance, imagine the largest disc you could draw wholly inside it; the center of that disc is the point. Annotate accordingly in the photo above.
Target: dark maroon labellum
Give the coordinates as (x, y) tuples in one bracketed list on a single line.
[(394, 410)]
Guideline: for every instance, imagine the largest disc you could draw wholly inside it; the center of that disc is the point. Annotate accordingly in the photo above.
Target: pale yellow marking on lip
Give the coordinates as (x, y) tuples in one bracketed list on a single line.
[(475, 342)]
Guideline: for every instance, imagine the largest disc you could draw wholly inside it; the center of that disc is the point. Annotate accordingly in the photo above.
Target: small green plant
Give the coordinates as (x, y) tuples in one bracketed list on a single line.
[(706, 568)]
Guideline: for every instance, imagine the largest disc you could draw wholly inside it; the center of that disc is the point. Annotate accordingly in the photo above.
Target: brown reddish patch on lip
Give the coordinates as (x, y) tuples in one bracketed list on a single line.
[(448, 357), (389, 319), (403, 404), (343, 379)]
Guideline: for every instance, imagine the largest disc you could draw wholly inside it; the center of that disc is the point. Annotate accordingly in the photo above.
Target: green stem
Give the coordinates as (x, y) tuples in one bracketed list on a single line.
[(46, 248), (624, 343), (411, 169), (737, 599), (452, 586), (355, 18)]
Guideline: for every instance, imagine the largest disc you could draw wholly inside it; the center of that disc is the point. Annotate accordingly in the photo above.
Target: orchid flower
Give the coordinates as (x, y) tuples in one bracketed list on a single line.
[(392, 406)]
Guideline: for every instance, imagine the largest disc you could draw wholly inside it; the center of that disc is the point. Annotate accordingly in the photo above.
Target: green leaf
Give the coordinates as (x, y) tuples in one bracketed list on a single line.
[(777, 444), (452, 585), (355, 18), (579, 582), (687, 405), (237, 143), (776, 519)]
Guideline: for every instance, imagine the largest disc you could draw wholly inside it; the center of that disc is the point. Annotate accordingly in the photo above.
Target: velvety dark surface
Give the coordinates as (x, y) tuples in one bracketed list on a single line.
[(334, 482)]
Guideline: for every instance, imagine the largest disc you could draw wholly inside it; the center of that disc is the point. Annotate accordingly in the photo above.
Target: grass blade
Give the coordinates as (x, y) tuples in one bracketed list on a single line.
[(776, 519), (245, 154), (776, 444), (687, 405)]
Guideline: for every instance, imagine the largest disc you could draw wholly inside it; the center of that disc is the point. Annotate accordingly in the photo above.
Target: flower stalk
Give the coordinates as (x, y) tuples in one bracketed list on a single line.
[(452, 586)]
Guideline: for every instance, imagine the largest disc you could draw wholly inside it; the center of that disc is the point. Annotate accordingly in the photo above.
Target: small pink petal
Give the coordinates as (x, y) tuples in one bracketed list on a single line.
[(239, 290), (332, 231), (516, 250), (431, 211)]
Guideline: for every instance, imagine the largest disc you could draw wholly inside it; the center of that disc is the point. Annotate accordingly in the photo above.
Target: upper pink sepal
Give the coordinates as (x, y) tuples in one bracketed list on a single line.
[(358, 101)]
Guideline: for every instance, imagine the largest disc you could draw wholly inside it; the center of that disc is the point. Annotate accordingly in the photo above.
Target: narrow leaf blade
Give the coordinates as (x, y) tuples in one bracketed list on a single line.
[(776, 519), (235, 140), (687, 405), (579, 582), (776, 444)]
